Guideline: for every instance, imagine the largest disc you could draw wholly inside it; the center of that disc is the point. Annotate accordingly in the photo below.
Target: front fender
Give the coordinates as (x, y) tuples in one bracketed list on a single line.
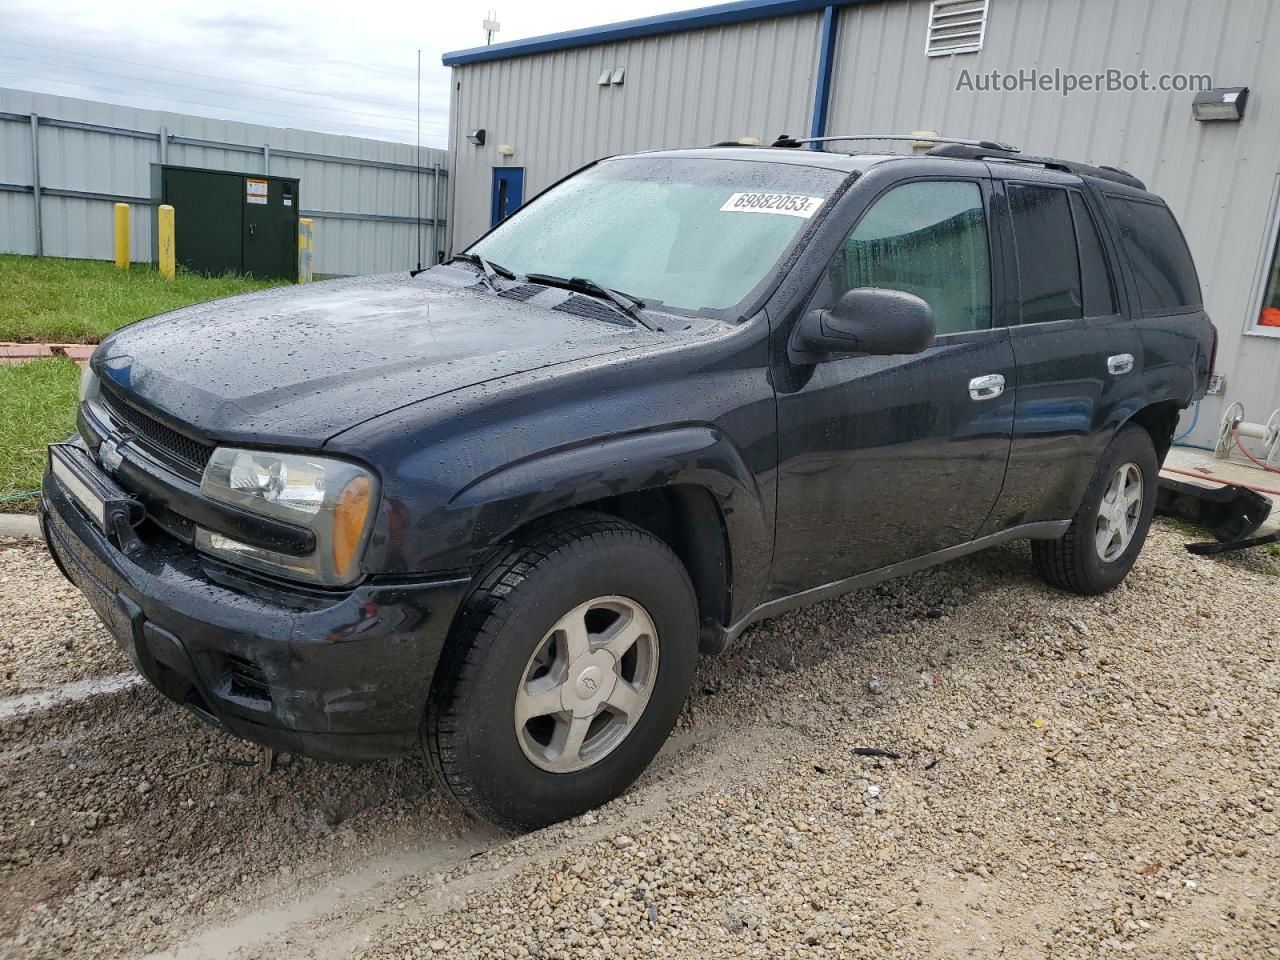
[(510, 497)]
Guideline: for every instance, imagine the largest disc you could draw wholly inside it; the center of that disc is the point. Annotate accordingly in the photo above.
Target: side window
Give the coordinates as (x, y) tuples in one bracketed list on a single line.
[(928, 238), (1099, 295), (1048, 261), (1161, 262)]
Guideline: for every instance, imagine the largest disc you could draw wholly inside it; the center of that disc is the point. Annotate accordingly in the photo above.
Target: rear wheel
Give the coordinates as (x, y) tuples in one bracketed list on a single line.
[(1108, 531), (564, 674)]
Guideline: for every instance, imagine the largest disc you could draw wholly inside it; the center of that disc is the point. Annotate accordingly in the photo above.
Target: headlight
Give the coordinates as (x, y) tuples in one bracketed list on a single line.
[(88, 384), (334, 499)]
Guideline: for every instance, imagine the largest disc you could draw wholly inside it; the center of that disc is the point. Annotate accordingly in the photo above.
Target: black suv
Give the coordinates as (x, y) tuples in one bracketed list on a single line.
[(493, 511)]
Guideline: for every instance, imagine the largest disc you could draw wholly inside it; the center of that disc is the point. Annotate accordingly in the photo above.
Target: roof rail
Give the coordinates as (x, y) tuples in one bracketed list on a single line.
[(960, 151), (785, 141)]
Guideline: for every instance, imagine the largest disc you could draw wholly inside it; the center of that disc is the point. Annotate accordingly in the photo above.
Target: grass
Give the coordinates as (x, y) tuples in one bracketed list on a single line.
[(46, 300), (38, 400)]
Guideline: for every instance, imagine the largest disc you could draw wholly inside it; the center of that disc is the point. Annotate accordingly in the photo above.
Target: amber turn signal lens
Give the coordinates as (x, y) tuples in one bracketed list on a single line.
[(349, 517)]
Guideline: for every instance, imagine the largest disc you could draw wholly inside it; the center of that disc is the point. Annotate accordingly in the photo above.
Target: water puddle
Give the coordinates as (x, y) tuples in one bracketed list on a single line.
[(20, 704)]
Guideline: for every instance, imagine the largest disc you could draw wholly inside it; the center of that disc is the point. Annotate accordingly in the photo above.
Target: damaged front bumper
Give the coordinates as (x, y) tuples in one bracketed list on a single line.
[(337, 676)]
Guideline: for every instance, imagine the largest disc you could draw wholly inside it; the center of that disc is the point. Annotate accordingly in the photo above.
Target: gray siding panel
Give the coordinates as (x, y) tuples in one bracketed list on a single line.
[(753, 79), (73, 159)]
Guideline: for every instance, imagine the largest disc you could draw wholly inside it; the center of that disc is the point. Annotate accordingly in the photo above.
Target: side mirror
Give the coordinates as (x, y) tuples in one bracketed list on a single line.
[(865, 320)]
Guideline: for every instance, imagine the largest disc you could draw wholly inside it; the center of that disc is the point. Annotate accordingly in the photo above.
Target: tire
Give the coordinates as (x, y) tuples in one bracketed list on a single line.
[(513, 645), (1079, 562)]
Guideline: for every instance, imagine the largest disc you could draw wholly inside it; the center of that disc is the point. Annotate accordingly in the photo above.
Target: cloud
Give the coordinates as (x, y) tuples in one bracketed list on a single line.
[(327, 65)]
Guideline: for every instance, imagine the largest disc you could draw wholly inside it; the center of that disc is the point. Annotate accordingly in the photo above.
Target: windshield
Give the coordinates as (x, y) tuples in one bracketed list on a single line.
[(685, 234)]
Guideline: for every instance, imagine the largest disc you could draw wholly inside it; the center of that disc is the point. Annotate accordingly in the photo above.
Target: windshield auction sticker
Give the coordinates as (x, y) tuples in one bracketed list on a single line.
[(787, 204)]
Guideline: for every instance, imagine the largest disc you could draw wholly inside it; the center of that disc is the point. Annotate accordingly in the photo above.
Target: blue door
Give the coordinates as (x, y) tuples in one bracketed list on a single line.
[(508, 193)]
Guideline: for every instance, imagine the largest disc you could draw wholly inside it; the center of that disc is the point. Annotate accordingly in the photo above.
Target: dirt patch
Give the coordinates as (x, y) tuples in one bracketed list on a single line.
[(1072, 777)]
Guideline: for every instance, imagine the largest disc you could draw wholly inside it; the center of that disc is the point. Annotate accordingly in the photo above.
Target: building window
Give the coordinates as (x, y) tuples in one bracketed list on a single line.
[(956, 26), (1269, 315)]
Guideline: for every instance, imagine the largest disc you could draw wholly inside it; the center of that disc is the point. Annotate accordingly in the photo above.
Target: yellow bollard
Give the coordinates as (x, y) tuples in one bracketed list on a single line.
[(164, 224), (122, 236), (306, 249)]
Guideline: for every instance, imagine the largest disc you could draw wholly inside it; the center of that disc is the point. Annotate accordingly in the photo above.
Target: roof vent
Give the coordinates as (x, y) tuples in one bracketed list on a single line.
[(956, 26)]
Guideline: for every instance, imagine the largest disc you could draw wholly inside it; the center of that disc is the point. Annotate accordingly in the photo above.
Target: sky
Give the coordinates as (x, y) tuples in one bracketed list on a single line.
[(337, 67)]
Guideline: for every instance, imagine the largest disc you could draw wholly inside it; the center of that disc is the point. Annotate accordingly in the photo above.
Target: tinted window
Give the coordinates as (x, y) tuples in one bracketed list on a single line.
[(927, 238), (1159, 256), (1048, 261), (1099, 298)]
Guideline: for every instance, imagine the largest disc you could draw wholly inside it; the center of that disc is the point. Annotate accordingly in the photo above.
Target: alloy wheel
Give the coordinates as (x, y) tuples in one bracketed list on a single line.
[(587, 684)]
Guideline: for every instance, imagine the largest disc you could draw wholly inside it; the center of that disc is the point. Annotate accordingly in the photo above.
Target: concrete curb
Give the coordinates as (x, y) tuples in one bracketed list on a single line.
[(19, 525)]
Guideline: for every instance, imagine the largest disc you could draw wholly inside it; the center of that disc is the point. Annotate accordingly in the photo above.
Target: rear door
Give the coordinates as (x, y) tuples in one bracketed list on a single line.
[(886, 458), (1079, 356)]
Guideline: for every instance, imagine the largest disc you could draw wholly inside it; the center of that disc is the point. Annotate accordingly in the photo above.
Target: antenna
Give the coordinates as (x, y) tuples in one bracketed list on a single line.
[(418, 163), (490, 26)]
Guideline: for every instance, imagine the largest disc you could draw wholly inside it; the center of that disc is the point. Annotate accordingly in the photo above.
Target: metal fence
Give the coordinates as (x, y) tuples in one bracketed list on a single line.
[(64, 162)]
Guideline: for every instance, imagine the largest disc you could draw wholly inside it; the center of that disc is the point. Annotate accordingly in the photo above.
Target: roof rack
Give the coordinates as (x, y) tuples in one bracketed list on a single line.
[(979, 152), (960, 149), (785, 141)]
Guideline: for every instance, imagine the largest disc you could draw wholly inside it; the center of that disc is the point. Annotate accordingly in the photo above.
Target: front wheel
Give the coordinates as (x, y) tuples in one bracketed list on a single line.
[(565, 672), (1108, 531)]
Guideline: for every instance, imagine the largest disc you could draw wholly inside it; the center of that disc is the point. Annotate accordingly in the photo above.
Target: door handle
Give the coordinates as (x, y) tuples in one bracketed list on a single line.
[(1119, 364), (986, 388), (252, 228)]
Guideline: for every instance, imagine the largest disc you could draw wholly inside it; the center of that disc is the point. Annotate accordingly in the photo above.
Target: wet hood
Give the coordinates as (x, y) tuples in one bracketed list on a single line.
[(296, 365)]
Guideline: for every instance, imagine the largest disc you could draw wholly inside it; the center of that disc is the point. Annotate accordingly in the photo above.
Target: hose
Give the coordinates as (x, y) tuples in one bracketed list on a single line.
[(1219, 480), (20, 496), (1235, 435)]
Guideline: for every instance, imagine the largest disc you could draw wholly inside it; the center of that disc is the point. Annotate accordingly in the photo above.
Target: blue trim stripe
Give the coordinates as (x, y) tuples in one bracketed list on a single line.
[(742, 11), (826, 66)]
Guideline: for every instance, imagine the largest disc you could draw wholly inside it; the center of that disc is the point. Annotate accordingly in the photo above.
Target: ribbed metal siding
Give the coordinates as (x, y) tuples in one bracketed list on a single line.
[(687, 89), (105, 163), (1219, 178)]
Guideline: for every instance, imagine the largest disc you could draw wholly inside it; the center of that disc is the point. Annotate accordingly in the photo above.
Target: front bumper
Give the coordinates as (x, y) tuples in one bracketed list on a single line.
[(333, 676)]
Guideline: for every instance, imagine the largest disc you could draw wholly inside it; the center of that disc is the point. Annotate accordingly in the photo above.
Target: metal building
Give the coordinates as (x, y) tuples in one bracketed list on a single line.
[(760, 68), (65, 162)]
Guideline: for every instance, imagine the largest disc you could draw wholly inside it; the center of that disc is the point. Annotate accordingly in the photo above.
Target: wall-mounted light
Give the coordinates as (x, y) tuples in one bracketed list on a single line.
[(1222, 103), (611, 75), (477, 137), (506, 150)]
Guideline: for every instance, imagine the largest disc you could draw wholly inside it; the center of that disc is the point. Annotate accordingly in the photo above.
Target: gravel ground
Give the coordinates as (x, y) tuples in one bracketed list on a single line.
[(1070, 777), (48, 634)]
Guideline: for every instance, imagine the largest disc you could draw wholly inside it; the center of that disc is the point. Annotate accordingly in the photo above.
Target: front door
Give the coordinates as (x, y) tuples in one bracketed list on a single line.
[(508, 193), (883, 459)]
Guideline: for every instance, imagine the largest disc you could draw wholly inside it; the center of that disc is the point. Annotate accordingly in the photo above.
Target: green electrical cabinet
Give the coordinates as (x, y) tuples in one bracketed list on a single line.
[(227, 222)]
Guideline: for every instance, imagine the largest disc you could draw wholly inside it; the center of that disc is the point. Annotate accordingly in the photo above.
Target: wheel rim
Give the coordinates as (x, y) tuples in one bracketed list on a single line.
[(1119, 512), (587, 684)]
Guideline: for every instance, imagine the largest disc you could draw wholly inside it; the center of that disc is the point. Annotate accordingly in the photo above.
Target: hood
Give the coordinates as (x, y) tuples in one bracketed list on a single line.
[(300, 364)]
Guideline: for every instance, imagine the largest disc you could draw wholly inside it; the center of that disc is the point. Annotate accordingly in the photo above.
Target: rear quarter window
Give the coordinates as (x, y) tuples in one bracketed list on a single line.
[(1162, 264)]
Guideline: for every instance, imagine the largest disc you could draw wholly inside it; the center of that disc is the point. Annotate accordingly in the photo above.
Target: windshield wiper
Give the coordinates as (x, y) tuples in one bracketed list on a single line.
[(629, 305), (490, 270)]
